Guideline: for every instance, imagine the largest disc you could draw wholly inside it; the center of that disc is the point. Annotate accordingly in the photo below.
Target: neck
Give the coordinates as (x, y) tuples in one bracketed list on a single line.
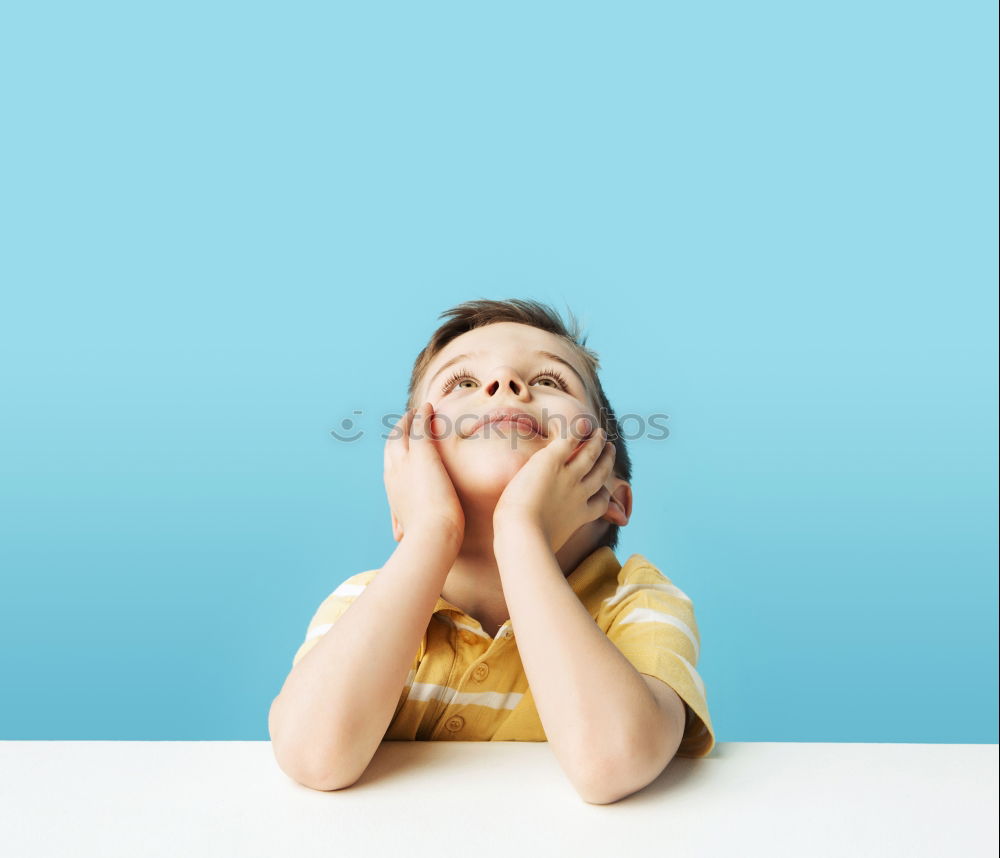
[(473, 583)]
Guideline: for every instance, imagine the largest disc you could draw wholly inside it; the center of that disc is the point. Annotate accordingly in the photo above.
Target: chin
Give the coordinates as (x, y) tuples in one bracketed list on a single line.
[(494, 457), (487, 475)]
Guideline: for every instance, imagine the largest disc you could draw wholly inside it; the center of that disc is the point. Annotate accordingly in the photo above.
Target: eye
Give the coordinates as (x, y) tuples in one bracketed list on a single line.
[(551, 373), (460, 375), (464, 375)]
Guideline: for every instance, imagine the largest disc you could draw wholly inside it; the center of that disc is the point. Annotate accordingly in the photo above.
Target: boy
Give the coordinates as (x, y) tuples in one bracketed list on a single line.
[(506, 497)]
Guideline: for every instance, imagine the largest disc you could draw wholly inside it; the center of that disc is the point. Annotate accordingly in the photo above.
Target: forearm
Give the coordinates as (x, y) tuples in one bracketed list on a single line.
[(593, 704), (338, 700)]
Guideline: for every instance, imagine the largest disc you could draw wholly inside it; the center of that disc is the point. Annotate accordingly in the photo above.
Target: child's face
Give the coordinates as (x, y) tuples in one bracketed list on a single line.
[(502, 370)]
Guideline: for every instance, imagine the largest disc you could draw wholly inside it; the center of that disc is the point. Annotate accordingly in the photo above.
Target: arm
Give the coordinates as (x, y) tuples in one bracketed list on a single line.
[(605, 725), (338, 701)]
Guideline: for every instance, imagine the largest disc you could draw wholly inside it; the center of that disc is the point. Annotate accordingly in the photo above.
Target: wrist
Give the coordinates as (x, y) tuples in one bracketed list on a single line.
[(438, 538), (515, 528)]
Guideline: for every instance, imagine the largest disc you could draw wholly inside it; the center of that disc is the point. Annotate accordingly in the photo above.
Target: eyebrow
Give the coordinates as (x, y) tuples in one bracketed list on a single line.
[(542, 352)]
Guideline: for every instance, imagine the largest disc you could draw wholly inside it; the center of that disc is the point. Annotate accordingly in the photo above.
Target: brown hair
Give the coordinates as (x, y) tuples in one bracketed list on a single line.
[(478, 313)]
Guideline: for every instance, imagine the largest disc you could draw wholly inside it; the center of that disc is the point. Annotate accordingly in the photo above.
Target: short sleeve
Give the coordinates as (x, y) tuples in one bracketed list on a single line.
[(330, 610), (652, 623)]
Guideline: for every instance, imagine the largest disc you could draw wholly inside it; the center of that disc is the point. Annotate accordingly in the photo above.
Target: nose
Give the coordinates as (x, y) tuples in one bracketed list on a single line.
[(504, 379)]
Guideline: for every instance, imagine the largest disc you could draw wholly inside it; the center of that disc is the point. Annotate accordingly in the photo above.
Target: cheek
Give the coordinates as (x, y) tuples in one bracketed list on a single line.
[(445, 438), (447, 426), (566, 420), (442, 428)]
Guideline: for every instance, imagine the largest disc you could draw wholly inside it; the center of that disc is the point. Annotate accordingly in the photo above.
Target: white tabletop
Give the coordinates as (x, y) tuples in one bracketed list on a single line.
[(495, 798)]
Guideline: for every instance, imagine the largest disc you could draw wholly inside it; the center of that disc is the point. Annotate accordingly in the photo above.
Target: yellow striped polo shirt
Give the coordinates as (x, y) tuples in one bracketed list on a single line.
[(466, 685)]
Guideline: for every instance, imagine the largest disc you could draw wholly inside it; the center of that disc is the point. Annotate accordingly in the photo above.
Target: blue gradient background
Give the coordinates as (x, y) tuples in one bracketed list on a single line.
[(228, 227)]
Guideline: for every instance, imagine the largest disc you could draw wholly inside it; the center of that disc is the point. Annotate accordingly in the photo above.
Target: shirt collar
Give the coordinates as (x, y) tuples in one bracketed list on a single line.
[(601, 563)]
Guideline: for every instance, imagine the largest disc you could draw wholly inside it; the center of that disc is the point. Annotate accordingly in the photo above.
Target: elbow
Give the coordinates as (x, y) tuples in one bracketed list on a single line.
[(305, 767), (609, 789), (599, 781), (323, 784), (611, 779), (596, 790), (313, 777), (603, 794)]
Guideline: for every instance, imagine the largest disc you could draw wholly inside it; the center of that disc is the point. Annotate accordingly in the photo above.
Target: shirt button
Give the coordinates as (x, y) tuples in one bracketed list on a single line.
[(455, 723), (481, 672), (508, 634), (468, 637)]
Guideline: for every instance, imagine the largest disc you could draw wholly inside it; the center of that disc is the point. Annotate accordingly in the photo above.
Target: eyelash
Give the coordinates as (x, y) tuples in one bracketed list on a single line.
[(463, 374)]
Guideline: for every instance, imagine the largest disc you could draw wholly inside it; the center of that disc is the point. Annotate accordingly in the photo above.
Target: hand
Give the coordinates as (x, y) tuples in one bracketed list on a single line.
[(560, 488), (421, 495)]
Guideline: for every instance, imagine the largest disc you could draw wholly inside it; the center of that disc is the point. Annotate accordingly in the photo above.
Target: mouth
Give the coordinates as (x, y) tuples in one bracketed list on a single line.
[(522, 421)]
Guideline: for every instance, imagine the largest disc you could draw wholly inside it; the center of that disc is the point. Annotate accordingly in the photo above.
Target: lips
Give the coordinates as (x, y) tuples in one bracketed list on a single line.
[(508, 415)]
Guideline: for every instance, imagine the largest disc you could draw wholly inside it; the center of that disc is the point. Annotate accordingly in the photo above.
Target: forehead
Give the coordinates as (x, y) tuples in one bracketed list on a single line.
[(502, 337)]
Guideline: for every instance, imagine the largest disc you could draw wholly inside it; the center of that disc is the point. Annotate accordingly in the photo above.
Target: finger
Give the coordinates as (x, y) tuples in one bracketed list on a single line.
[(422, 434), (395, 444), (600, 502), (589, 451), (429, 422), (418, 430), (602, 468), (581, 429), (399, 437)]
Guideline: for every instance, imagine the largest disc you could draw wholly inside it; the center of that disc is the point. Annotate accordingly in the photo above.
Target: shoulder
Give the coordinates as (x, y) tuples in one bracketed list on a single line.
[(347, 591), (643, 600), (356, 583), (638, 574)]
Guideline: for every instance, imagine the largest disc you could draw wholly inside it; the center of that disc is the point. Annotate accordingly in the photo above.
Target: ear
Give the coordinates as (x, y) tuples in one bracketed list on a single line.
[(620, 502), (397, 530)]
